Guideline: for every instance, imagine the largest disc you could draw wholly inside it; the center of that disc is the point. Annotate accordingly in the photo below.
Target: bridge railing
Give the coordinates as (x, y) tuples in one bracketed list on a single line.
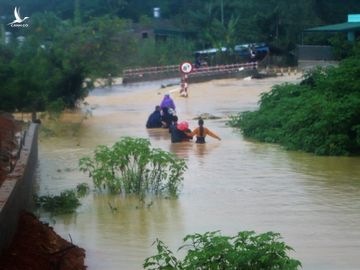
[(172, 71), (225, 68), (150, 70)]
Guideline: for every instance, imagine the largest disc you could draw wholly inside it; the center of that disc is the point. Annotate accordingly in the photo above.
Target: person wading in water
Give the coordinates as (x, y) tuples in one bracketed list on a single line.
[(200, 132), (178, 135)]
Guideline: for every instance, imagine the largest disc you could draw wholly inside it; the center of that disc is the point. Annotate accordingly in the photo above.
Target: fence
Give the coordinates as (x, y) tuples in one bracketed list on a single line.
[(150, 73), (240, 70), (149, 70), (166, 72), (225, 68)]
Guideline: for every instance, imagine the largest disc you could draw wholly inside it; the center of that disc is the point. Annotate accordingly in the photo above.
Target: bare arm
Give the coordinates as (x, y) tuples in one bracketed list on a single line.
[(211, 134), (192, 134)]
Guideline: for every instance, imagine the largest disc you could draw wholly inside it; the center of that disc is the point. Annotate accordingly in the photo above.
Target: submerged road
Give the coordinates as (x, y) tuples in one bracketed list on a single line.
[(231, 185)]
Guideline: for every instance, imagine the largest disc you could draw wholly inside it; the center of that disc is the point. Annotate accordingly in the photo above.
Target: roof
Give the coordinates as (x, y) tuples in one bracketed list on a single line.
[(341, 27)]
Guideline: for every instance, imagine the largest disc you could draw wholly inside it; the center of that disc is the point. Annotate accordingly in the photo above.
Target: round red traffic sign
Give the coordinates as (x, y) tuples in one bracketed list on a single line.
[(186, 67)]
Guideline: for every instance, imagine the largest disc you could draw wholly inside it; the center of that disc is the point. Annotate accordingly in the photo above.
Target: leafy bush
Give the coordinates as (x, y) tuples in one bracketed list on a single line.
[(246, 251), (82, 190), (48, 71), (130, 166), (169, 52), (320, 115), (66, 202)]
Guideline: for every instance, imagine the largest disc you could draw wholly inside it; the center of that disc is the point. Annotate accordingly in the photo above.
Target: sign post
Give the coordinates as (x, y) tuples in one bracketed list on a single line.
[(185, 68)]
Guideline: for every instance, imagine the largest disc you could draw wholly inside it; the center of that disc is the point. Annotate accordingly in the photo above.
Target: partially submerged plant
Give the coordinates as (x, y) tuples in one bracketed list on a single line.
[(210, 250), (82, 189), (66, 202), (131, 166)]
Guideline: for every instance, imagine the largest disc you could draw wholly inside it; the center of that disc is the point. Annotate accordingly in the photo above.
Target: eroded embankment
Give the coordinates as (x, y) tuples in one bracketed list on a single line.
[(8, 144), (37, 246)]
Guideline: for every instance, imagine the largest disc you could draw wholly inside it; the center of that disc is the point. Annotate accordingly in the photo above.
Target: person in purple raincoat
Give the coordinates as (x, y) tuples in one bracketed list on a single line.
[(167, 102)]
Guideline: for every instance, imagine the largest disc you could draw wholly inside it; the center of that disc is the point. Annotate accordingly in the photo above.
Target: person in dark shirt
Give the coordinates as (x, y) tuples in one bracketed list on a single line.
[(178, 135), (166, 117), (154, 120)]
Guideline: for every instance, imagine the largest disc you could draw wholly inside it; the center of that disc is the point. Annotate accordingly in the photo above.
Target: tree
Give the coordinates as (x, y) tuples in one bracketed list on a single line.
[(55, 59)]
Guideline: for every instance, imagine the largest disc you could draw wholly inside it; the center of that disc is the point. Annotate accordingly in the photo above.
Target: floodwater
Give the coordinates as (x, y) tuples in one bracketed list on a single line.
[(230, 185)]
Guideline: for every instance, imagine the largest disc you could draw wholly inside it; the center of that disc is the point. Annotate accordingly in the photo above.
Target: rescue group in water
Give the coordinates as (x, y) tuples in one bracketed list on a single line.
[(165, 116)]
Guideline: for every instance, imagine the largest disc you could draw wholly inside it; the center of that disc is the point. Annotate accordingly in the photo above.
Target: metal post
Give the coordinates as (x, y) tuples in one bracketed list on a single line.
[(222, 11), (184, 86)]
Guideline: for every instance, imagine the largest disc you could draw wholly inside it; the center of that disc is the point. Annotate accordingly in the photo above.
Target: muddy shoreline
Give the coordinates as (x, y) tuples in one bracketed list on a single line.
[(37, 246)]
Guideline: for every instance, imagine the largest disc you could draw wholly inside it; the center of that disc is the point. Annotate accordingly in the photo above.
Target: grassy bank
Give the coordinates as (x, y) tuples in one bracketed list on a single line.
[(320, 115)]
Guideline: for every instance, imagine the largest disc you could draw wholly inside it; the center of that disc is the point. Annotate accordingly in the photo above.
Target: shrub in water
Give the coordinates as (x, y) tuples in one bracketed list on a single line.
[(66, 202), (131, 166), (82, 189), (246, 251)]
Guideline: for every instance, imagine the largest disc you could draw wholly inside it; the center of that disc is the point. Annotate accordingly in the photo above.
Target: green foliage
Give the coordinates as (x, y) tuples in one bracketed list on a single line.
[(151, 53), (103, 44), (48, 70), (131, 166), (211, 250), (82, 190), (73, 40), (42, 71), (55, 108), (66, 202), (342, 48), (274, 21), (320, 115)]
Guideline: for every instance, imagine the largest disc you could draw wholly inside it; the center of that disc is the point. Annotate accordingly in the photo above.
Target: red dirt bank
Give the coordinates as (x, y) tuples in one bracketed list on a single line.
[(37, 247)]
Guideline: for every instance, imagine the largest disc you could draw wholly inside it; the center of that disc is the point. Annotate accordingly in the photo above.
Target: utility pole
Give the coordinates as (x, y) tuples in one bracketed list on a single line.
[(2, 29), (222, 11), (77, 13), (2, 33)]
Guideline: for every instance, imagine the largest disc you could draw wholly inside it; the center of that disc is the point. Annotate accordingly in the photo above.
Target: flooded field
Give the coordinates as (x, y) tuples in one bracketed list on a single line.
[(230, 185)]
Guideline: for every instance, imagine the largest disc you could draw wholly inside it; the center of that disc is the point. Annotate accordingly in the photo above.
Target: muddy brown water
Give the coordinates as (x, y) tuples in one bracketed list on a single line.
[(230, 185)]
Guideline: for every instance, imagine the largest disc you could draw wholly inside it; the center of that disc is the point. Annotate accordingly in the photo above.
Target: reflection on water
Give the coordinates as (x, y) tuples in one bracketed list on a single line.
[(132, 87), (158, 134), (231, 185), (182, 149), (116, 235)]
